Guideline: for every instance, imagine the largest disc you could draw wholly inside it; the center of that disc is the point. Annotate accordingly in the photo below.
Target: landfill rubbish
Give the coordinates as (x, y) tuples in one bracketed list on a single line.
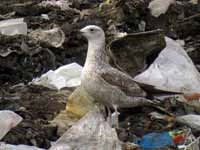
[(6, 53), (129, 55), (195, 2), (45, 16), (155, 140), (156, 115), (79, 103), (158, 7), (54, 37), (4, 146), (24, 58), (172, 71), (194, 145), (8, 120), (90, 132), (190, 142), (191, 120), (190, 100), (161, 140), (62, 4), (13, 27), (65, 76)]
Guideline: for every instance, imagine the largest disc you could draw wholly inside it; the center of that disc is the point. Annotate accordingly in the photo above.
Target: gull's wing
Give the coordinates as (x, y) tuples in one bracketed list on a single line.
[(123, 81)]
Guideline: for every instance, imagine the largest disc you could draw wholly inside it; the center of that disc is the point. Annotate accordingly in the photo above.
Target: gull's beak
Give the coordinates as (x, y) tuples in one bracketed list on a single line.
[(82, 31)]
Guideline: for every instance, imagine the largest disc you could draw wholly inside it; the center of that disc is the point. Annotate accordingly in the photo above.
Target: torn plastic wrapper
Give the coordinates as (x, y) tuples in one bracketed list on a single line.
[(65, 76)]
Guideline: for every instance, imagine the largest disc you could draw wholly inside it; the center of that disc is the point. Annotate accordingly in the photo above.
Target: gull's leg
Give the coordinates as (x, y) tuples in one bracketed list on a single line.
[(115, 117), (103, 111), (109, 115)]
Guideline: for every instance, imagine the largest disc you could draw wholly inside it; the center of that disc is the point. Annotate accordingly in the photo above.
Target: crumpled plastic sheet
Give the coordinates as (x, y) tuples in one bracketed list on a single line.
[(13, 26), (65, 76), (8, 120), (172, 71), (92, 132), (158, 7)]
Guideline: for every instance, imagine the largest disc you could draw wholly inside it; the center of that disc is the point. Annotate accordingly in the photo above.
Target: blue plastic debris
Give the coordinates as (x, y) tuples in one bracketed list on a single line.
[(155, 140)]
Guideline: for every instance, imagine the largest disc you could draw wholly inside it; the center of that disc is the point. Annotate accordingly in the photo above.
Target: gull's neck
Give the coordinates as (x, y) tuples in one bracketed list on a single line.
[(96, 54)]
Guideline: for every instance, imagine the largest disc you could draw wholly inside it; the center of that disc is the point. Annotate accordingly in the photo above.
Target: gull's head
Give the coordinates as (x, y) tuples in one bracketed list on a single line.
[(93, 32)]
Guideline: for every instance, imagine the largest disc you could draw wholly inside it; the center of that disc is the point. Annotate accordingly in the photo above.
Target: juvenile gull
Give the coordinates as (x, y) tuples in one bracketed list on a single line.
[(104, 83)]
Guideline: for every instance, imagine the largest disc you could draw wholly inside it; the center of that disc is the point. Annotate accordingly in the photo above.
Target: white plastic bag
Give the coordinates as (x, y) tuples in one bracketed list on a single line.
[(13, 27), (172, 70), (91, 132), (65, 76), (8, 120), (158, 7)]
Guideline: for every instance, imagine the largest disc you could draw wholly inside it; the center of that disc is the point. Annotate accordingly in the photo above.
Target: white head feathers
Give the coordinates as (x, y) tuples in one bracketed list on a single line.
[(93, 33)]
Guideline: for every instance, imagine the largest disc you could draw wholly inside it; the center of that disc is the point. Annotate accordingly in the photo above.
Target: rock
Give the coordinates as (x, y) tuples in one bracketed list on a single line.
[(172, 71), (190, 120), (131, 52), (78, 104), (54, 37), (89, 133), (8, 120), (13, 27)]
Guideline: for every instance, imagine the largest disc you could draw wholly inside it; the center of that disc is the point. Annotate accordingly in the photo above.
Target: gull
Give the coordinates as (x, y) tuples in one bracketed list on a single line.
[(107, 85)]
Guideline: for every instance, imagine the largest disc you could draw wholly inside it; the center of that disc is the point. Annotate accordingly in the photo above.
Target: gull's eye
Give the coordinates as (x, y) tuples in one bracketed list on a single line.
[(91, 30)]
